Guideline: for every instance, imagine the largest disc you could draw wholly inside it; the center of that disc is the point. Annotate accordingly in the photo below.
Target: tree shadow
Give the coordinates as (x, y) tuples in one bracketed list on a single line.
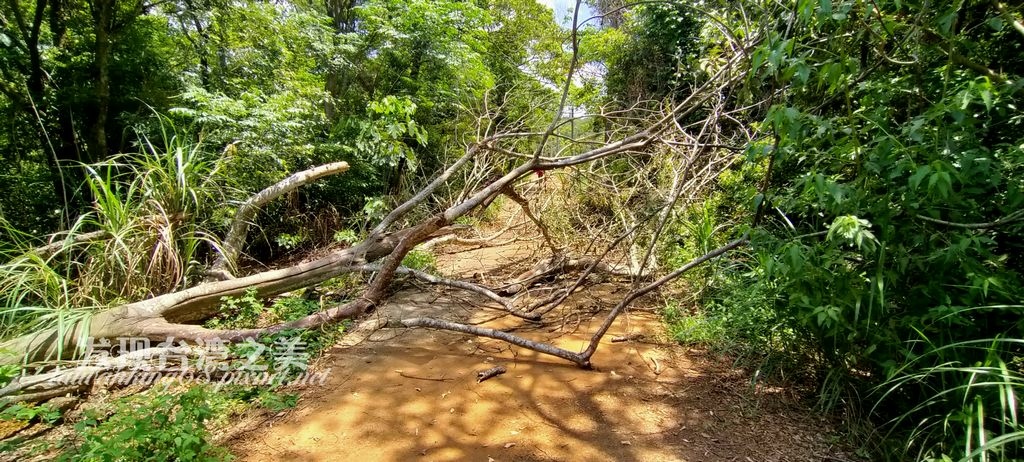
[(415, 396)]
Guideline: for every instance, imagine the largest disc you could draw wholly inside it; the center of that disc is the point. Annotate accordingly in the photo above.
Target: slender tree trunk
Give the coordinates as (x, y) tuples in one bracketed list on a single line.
[(54, 144), (103, 17)]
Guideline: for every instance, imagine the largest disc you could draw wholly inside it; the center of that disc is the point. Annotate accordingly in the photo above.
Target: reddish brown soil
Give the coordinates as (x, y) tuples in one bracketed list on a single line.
[(413, 395)]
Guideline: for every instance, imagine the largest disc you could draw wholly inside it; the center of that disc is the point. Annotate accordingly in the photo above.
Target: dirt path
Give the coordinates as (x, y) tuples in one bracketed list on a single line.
[(413, 395)]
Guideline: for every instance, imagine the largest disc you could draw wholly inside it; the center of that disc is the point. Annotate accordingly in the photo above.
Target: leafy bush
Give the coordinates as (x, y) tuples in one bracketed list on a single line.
[(292, 308), (266, 398), (735, 315), (29, 412), (346, 236), (145, 234), (154, 426), (421, 260), (238, 312), (890, 219)]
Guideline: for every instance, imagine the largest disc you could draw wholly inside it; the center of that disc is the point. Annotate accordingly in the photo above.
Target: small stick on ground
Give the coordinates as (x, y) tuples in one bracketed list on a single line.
[(628, 338), (432, 379), (490, 373)]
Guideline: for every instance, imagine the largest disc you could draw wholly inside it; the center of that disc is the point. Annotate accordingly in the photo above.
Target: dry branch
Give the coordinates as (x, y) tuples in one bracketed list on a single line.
[(525, 205), (635, 294), (490, 373), (57, 245), (539, 347), (34, 388), (477, 241), (235, 240), (560, 264), (467, 286)]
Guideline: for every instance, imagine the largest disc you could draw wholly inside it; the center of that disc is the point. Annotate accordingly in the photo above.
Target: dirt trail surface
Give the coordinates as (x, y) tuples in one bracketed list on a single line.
[(396, 395)]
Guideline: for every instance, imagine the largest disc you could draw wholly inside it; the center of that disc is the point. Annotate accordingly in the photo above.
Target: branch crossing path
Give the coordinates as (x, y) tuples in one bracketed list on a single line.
[(398, 395)]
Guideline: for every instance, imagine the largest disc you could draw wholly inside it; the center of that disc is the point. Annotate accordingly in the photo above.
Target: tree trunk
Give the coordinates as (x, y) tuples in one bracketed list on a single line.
[(155, 318), (166, 316), (103, 17)]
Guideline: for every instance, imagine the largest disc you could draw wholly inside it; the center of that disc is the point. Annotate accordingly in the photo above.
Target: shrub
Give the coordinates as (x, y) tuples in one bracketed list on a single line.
[(149, 427), (420, 260)]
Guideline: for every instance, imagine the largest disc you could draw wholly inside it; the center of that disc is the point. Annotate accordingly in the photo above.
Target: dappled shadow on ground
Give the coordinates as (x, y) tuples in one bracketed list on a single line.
[(402, 395)]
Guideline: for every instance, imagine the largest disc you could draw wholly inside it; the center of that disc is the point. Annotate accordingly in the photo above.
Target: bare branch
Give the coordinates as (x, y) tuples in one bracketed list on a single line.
[(568, 82), (511, 193), (235, 239), (596, 338), (70, 240), (401, 210), (539, 347), (467, 286), (1011, 218)]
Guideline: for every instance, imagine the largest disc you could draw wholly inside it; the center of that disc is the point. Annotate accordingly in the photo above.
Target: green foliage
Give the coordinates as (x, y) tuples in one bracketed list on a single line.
[(148, 235), (273, 88), (289, 241), (697, 329), (649, 57), (149, 426), (421, 260), (883, 260), (381, 136), (249, 311), (238, 312), (277, 401), (972, 409), (153, 205), (8, 372), (733, 312), (292, 308), (28, 412), (346, 236), (894, 154), (237, 397)]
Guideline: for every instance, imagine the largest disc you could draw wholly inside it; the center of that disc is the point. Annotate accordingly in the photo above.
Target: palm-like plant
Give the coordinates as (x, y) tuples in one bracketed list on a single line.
[(145, 235)]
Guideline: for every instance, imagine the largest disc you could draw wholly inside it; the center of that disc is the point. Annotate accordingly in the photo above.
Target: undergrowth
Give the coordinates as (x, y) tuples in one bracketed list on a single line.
[(162, 425), (145, 234)]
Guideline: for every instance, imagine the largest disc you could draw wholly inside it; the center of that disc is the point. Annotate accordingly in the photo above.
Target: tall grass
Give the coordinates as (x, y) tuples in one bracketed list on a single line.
[(955, 407), (146, 235)]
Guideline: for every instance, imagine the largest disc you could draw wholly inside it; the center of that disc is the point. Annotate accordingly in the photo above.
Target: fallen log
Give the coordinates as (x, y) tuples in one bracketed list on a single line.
[(169, 315)]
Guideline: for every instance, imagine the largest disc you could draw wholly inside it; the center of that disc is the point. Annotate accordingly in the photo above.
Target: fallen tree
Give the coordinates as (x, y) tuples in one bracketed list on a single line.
[(174, 315)]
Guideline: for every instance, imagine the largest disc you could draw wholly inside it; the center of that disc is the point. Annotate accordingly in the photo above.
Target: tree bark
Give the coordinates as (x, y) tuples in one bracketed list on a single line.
[(103, 24)]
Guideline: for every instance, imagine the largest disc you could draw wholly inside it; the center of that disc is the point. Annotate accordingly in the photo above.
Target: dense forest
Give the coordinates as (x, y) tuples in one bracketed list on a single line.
[(830, 193)]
